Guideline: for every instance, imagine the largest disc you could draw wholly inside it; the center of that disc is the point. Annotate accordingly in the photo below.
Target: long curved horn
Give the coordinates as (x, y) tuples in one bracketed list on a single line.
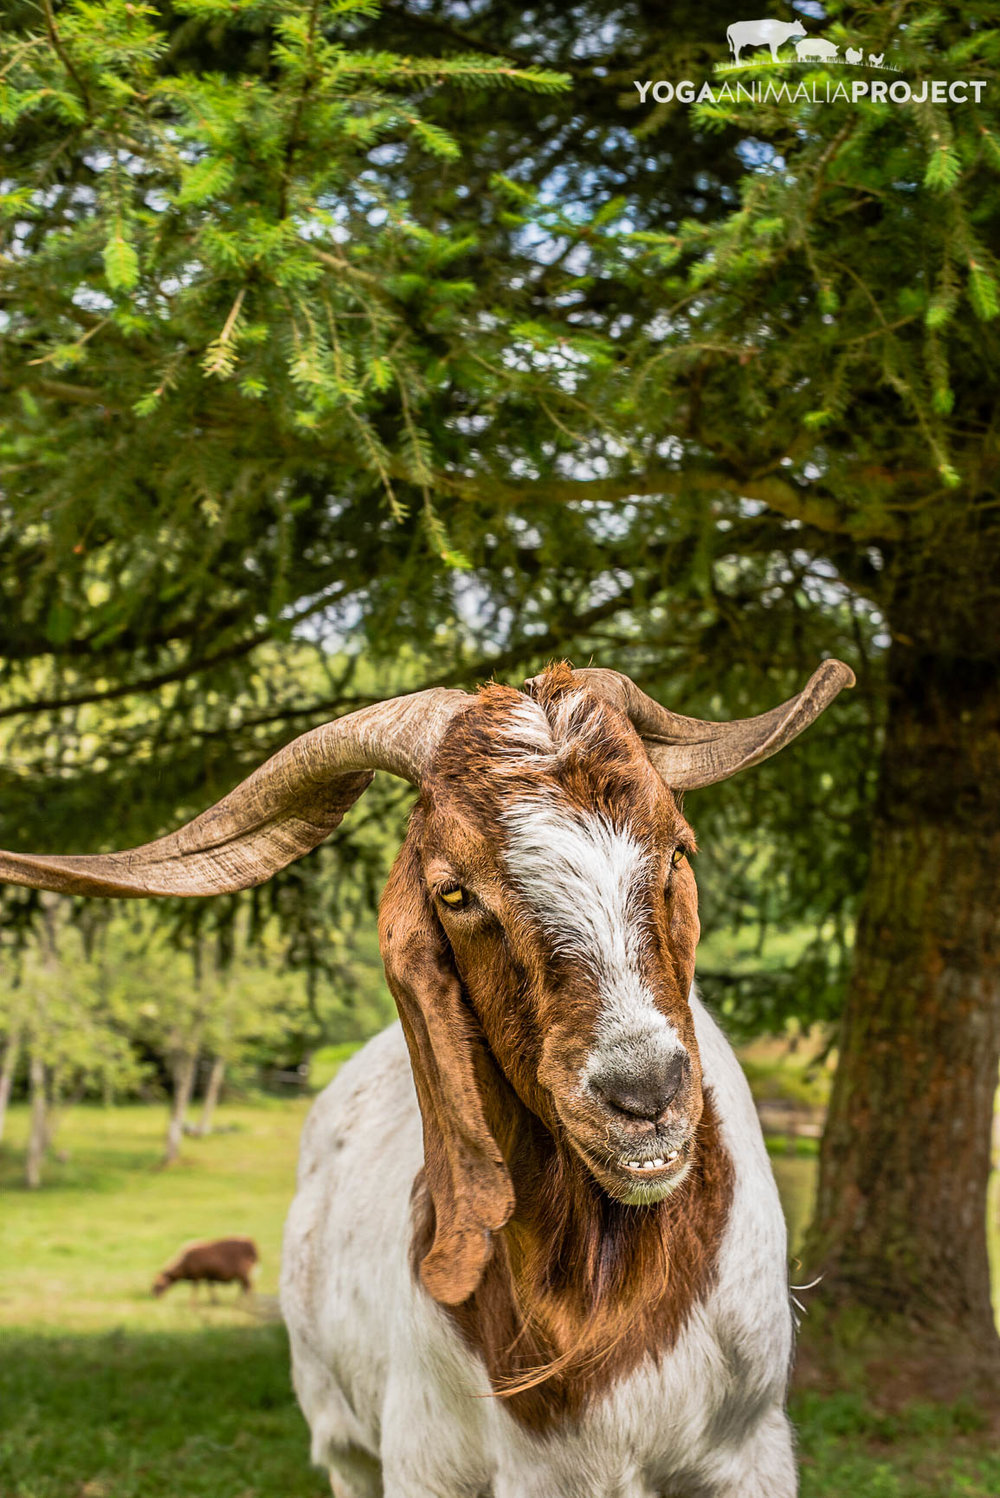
[(283, 810), (689, 752)]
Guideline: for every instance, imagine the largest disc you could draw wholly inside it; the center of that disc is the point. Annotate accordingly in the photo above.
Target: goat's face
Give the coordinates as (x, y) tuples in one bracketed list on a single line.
[(161, 1284), (557, 863)]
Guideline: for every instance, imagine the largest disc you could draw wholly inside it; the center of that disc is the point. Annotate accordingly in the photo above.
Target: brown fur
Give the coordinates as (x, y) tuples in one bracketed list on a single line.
[(561, 1287), (582, 1289), (217, 1261)]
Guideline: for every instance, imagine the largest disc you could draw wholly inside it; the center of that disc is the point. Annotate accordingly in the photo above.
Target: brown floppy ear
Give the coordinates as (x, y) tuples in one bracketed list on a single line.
[(468, 1180)]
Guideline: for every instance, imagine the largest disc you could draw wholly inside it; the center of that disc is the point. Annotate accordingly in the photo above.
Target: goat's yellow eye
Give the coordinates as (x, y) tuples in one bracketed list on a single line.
[(455, 896), (678, 856)]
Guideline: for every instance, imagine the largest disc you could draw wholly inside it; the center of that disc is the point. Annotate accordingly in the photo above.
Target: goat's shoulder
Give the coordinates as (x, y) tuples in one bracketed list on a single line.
[(750, 1308), (361, 1150), (347, 1292), (371, 1091), (731, 1095)]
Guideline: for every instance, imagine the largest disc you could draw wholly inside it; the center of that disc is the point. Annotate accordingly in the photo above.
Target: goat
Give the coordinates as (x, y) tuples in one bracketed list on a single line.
[(536, 1249), (216, 1261)]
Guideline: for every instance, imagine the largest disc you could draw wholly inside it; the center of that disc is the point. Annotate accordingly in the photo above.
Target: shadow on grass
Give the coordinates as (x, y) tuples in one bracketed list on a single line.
[(880, 1414), (211, 1414), (847, 1449), (207, 1414)]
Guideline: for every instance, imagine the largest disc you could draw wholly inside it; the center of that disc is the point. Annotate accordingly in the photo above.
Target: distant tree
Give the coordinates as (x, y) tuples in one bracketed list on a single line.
[(72, 1038), (12, 1027), (168, 995), (253, 1007), (187, 995), (213, 1091)]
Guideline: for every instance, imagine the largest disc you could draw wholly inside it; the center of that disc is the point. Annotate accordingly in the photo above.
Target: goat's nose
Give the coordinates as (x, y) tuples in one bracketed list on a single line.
[(644, 1092)]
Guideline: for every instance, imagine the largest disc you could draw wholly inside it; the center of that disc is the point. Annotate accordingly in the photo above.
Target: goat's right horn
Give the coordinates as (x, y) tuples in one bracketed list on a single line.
[(280, 812), (691, 752)]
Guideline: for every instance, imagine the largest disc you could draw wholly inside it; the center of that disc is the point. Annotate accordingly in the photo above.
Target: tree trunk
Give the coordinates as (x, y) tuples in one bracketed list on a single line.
[(53, 1112), (38, 1131), (900, 1225), (184, 1071), (11, 1052), (211, 1095)]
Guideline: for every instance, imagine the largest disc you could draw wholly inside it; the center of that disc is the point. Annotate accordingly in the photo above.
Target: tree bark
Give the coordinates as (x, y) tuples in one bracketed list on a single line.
[(11, 1052), (900, 1224), (38, 1130), (211, 1095), (184, 1071)]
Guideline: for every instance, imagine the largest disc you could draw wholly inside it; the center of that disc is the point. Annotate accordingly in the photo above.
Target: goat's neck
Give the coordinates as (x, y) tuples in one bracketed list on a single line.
[(580, 1289)]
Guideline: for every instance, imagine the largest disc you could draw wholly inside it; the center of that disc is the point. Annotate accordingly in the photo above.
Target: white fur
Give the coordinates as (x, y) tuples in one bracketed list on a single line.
[(548, 734), (529, 726), (587, 884), (398, 1404), (582, 878)]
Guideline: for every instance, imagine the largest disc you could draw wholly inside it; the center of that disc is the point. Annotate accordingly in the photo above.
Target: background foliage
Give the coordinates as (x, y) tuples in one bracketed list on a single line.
[(281, 362)]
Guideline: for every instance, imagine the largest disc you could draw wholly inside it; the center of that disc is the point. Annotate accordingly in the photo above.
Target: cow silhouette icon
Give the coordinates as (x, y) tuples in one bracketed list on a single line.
[(767, 33)]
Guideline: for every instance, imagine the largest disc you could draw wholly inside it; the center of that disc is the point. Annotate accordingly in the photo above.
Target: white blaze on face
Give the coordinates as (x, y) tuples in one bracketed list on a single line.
[(587, 883)]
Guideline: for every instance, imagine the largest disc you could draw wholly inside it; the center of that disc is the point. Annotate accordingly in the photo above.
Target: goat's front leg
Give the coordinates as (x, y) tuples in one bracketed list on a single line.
[(354, 1474), (761, 1467)]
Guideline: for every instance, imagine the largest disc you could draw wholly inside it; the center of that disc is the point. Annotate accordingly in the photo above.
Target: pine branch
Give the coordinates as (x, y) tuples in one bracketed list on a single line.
[(63, 54), (821, 512), (190, 667)]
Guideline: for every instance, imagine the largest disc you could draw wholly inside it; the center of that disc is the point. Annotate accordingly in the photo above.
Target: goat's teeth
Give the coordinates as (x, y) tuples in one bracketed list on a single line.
[(649, 1164), (658, 1164), (672, 1157)]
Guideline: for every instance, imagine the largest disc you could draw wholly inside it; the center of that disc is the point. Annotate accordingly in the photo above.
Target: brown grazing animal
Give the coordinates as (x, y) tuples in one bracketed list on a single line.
[(215, 1261)]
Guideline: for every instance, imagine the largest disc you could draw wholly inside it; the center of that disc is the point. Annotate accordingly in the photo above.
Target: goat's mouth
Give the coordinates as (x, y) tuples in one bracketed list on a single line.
[(654, 1165), (638, 1177)]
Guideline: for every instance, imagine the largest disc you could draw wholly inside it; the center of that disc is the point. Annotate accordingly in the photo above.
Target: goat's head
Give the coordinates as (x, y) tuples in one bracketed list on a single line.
[(556, 864), (539, 925)]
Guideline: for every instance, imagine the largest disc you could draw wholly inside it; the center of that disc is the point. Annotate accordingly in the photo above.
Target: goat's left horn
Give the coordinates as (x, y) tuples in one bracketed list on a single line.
[(283, 810), (689, 752)]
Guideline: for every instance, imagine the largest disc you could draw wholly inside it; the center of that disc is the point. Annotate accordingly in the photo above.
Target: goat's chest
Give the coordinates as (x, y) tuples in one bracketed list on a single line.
[(648, 1433), (655, 1433)]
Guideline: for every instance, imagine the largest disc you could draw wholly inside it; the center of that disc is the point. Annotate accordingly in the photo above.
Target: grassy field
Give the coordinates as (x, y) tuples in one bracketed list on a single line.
[(81, 1254), (107, 1393)]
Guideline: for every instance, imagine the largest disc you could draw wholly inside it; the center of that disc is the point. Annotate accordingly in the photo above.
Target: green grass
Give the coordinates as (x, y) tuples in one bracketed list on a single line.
[(847, 1449), (132, 1414), (109, 1217), (107, 1393)]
